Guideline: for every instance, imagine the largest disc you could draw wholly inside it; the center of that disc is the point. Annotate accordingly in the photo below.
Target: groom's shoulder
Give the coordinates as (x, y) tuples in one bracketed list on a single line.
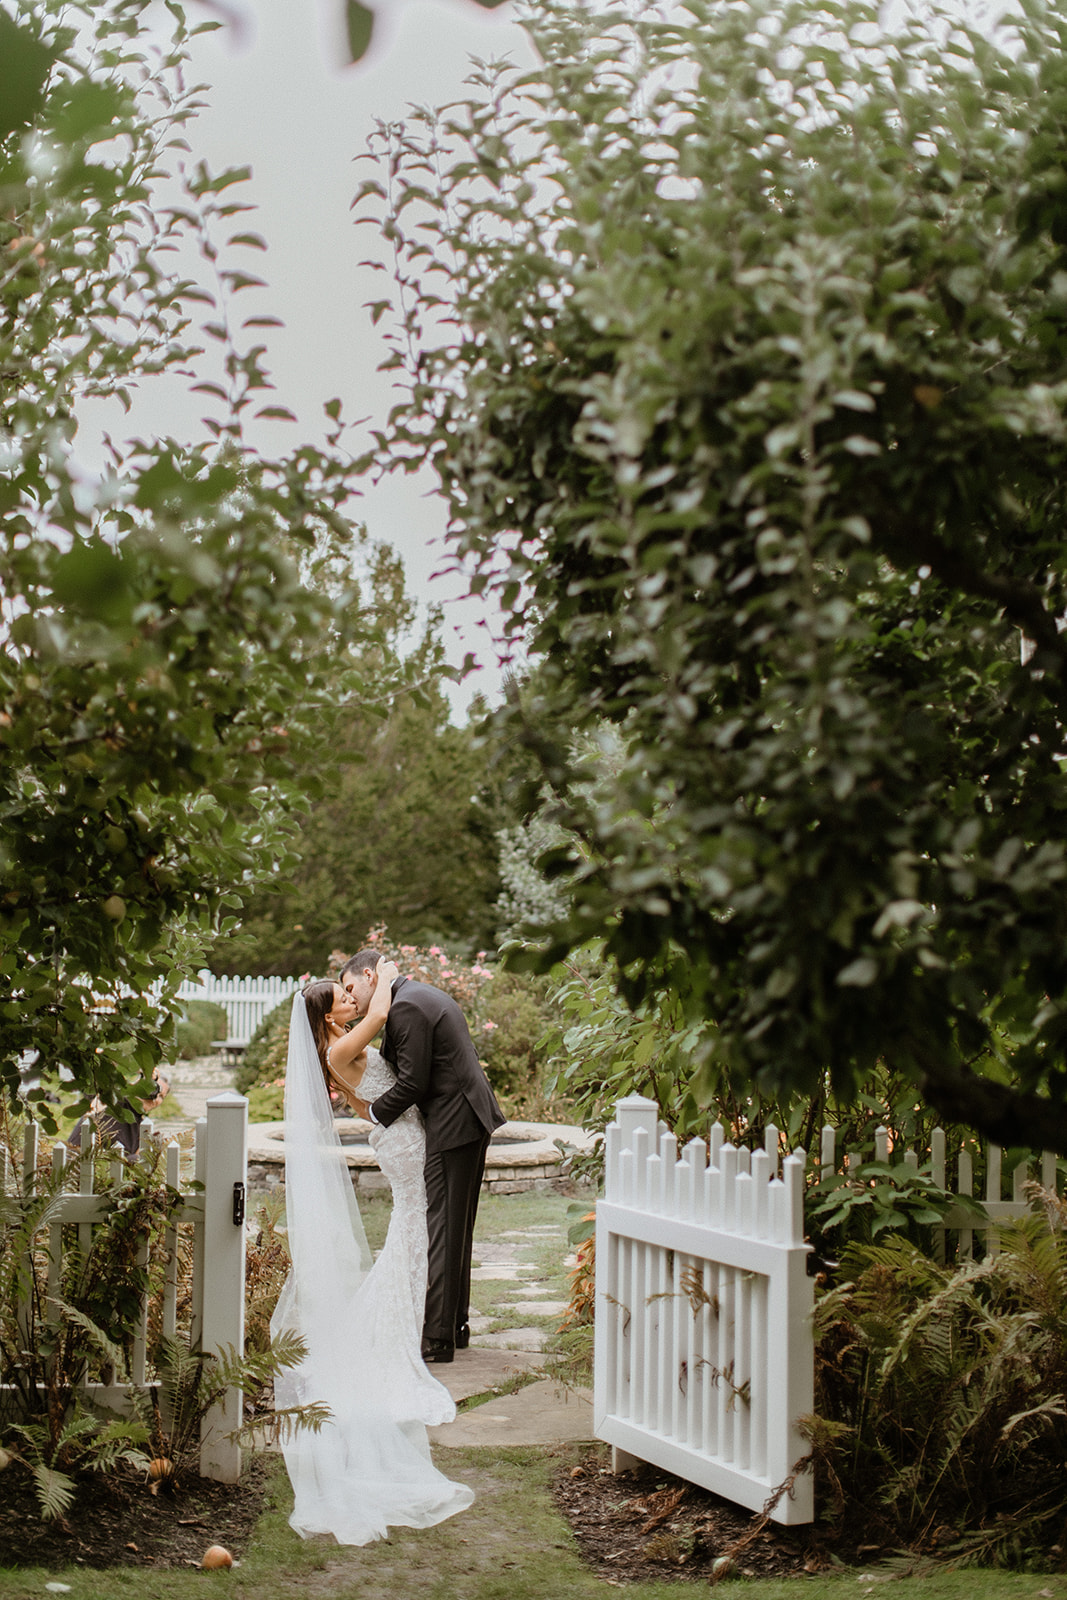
[(424, 997), (412, 992)]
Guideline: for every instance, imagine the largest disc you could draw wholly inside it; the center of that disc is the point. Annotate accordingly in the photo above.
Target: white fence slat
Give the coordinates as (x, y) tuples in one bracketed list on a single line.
[(965, 1186), (937, 1157), (29, 1159), (139, 1352), (223, 1310), (742, 1365), (668, 1157), (86, 1177), (992, 1193), (55, 1240), (992, 1178), (762, 1166), (170, 1246), (728, 1168), (1048, 1171), (196, 1333)]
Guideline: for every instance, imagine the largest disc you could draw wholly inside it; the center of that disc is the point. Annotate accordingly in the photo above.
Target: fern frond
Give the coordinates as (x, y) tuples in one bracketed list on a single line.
[(106, 1346), (281, 1425), (55, 1491)]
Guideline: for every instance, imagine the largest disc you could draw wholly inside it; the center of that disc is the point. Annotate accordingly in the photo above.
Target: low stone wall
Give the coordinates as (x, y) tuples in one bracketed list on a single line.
[(521, 1156)]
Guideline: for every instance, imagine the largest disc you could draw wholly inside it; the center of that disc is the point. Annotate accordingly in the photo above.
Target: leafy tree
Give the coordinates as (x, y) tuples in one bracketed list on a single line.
[(167, 629), (402, 831), (748, 395)]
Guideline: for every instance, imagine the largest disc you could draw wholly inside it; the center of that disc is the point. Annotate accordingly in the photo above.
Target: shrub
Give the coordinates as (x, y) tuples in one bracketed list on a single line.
[(264, 1059), (512, 1019), (200, 1023)]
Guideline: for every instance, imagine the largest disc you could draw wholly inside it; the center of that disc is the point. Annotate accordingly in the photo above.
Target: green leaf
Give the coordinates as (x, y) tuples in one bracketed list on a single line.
[(359, 25), (25, 62), (89, 111), (90, 579)]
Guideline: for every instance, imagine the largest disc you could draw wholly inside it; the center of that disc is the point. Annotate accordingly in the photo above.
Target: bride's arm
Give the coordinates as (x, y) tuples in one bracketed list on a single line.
[(349, 1044)]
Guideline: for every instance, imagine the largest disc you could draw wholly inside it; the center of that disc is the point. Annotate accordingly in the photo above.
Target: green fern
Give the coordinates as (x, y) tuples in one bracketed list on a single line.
[(948, 1387), (55, 1491)]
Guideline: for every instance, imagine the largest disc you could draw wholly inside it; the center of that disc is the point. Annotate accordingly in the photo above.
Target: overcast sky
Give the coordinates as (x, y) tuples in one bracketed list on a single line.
[(281, 101)]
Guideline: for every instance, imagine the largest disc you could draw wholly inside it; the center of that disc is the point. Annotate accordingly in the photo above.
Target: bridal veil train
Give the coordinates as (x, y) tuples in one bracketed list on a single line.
[(368, 1468)]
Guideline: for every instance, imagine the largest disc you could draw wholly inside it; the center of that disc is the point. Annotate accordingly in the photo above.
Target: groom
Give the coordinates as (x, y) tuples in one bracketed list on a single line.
[(427, 1043)]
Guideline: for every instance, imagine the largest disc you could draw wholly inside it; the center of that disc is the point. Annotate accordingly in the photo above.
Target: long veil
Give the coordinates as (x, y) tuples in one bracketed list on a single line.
[(369, 1468)]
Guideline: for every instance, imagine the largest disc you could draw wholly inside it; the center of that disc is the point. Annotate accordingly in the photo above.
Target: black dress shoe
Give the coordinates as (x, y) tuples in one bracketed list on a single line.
[(438, 1350), (463, 1337)]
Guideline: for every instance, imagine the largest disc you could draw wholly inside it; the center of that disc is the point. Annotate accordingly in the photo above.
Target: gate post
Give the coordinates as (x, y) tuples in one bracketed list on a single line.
[(225, 1179)]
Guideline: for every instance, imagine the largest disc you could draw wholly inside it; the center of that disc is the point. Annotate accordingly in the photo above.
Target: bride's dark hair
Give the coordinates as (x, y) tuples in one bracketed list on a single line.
[(318, 1001)]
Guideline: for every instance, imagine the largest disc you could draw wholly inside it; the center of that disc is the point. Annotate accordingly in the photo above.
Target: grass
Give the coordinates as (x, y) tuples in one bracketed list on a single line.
[(511, 1545)]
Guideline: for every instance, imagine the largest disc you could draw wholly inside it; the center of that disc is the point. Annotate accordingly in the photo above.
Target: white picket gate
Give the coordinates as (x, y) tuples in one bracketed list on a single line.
[(704, 1355), (216, 1212), (246, 1001)]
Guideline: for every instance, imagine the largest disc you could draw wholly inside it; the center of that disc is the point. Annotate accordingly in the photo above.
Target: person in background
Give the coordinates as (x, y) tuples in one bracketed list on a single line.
[(111, 1129)]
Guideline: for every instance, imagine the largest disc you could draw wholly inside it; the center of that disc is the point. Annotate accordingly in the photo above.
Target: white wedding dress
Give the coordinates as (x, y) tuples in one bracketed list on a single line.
[(369, 1468)]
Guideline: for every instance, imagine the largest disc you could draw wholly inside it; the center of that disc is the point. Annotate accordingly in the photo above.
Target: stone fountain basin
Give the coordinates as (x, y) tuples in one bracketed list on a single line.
[(521, 1156)]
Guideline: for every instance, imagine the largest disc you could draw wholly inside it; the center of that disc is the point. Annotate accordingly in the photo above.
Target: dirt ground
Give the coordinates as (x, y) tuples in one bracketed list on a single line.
[(116, 1522), (647, 1525)]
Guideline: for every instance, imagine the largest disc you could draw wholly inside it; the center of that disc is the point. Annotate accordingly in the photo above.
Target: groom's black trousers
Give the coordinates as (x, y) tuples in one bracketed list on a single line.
[(453, 1183)]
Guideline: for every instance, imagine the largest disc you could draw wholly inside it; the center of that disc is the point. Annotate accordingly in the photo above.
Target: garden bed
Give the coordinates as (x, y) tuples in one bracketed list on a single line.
[(116, 1522)]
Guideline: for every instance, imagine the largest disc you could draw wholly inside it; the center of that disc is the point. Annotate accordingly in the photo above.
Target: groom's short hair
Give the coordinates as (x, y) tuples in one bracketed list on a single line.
[(361, 960)]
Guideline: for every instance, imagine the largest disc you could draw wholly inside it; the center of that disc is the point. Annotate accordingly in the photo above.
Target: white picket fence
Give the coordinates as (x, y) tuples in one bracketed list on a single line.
[(958, 1219), (216, 1211), (704, 1356), (246, 1001)]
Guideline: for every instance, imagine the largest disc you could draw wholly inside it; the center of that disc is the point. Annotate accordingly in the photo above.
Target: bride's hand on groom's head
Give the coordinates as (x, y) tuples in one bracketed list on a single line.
[(388, 971)]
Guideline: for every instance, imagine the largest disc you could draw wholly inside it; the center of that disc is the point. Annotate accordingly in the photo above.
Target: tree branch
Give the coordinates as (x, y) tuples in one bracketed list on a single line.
[(1020, 600), (1006, 1116)]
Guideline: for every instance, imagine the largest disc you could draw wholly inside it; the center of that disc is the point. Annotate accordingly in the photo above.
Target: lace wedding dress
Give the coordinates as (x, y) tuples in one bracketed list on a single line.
[(369, 1468)]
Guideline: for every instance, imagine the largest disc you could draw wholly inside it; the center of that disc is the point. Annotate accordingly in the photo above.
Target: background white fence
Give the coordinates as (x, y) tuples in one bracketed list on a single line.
[(704, 1357), (960, 1219), (216, 1212), (246, 1001)]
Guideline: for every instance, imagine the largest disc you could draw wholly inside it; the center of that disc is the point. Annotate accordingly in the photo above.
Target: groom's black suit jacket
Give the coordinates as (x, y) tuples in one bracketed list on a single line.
[(428, 1045)]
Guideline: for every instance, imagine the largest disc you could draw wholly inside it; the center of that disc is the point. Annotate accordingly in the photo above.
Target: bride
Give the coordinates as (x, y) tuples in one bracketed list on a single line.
[(369, 1468)]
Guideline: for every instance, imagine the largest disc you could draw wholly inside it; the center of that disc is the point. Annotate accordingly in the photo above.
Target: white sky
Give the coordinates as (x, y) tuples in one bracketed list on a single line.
[(281, 101)]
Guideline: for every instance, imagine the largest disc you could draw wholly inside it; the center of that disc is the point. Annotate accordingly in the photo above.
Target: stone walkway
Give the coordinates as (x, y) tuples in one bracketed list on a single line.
[(540, 1413)]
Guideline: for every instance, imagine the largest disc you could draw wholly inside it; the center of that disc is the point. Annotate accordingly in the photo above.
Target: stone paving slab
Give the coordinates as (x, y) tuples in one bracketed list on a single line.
[(478, 1369), (511, 1339), (542, 1413), (542, 1308)]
